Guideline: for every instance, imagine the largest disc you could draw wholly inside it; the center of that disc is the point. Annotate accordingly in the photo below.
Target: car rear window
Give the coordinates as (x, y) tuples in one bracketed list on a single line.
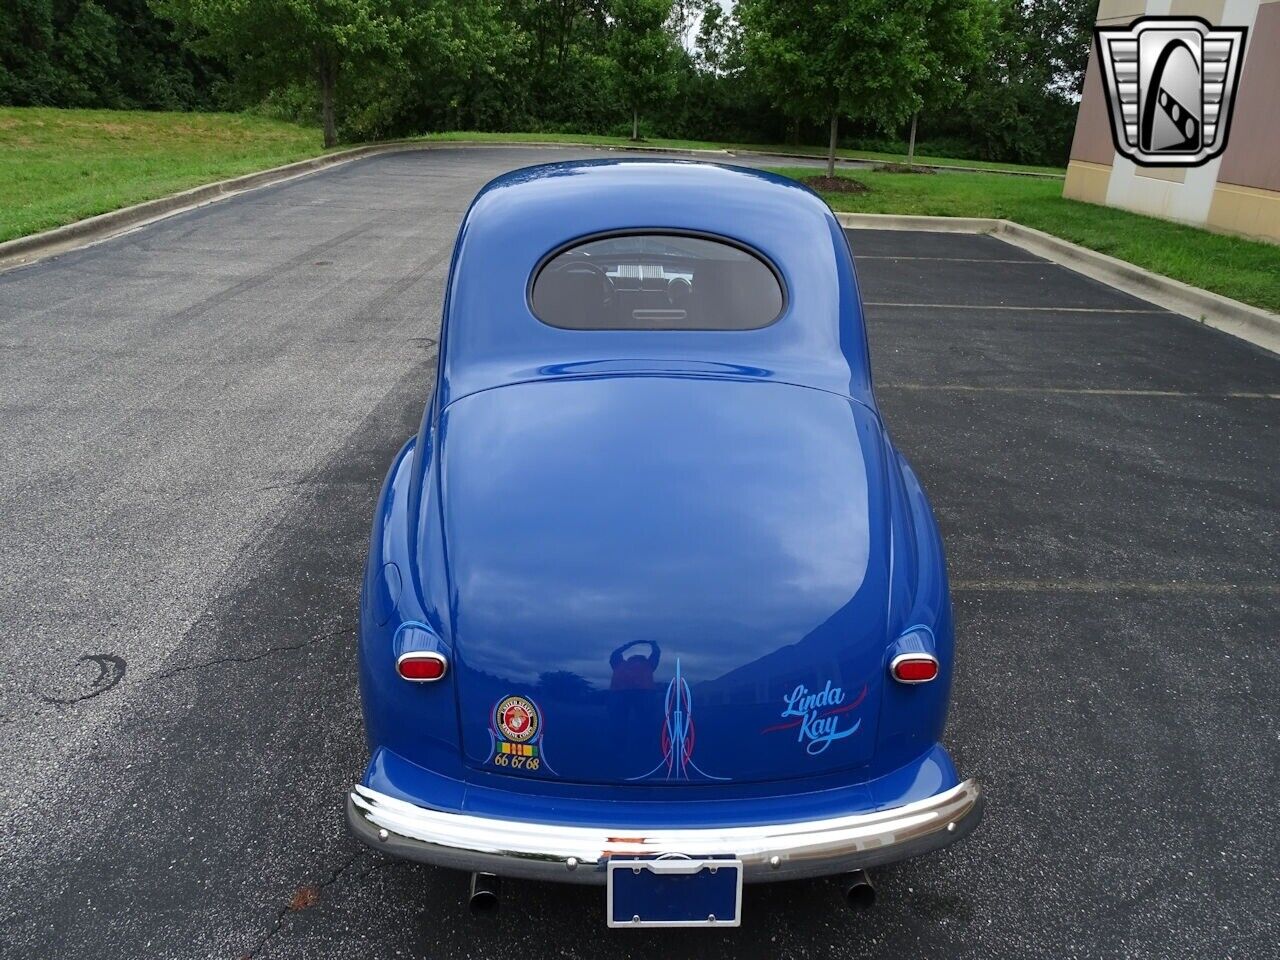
[(657, 281)]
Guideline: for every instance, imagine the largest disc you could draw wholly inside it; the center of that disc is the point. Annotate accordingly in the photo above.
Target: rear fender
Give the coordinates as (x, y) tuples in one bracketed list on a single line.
[(414, 719), (912, 716)]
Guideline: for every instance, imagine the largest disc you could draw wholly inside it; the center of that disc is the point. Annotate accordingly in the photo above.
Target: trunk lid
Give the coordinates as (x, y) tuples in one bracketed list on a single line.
[(665, 580)]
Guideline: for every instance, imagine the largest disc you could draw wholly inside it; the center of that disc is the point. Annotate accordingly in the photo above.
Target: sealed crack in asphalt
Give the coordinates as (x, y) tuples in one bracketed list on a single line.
[(219, 661), (112, 670)]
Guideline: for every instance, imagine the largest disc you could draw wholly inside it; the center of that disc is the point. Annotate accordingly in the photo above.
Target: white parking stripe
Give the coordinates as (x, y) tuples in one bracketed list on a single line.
[(867, 256), (1109, 586), (984, 306), (1082, 391)]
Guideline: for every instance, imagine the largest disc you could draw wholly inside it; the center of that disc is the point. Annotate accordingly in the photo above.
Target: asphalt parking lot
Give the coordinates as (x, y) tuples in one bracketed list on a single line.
[(194, 422)]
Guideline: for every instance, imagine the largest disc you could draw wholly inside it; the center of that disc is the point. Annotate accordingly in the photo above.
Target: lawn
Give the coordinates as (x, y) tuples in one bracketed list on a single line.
[(57, 166), (1247, 270), (659, 143)]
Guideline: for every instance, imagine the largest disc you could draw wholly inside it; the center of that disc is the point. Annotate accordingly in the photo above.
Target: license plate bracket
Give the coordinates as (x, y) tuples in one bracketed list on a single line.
[(674, 891)]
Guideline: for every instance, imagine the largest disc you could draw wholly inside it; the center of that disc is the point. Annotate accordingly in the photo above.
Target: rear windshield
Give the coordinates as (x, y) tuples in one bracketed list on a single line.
[(657, 281)]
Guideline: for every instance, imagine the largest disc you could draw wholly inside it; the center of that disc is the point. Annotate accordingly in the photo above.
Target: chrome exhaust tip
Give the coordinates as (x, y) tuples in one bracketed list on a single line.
[(486, 890), (859, 892)]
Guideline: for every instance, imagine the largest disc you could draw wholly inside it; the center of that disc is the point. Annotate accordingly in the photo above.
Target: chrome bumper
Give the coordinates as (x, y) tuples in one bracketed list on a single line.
[(568, 854)]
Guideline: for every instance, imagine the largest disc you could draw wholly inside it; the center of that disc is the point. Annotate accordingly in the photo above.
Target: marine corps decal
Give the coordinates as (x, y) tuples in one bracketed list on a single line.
[(515, 729), (517, 719)]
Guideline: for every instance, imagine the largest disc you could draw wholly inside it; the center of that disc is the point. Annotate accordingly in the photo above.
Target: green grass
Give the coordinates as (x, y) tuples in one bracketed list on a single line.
[(659, 143), (57, 166), (1246, 270)]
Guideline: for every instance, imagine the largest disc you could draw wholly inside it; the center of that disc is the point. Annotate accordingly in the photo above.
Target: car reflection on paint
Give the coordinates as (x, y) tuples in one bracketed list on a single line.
[(657, 546)]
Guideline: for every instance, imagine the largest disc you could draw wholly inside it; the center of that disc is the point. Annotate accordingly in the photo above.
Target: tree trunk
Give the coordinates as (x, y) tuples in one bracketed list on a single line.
[(328, 83), (911, 148), (635, 124), (831, 146)]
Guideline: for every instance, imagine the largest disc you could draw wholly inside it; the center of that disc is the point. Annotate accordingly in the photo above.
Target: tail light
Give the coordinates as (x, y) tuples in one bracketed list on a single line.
[(422, 666), (914, 667)]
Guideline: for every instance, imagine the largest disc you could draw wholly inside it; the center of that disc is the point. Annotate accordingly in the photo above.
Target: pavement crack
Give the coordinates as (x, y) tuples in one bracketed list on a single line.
[(260, 655), (111, 670), (304, 897)]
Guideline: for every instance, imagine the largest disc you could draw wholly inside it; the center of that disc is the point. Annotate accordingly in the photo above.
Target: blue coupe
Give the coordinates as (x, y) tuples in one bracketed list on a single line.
[(652, 601)]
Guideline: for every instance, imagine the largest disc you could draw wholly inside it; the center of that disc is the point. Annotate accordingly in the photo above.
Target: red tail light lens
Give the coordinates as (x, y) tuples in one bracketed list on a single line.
[(422, 667), (914, 668)]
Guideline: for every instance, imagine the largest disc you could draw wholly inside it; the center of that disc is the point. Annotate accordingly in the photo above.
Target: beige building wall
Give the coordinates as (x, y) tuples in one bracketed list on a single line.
[(1238, 192)]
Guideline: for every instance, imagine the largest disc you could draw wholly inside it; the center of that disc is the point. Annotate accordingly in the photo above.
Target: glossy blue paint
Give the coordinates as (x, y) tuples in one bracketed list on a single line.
[(695, 552), (491, 337)]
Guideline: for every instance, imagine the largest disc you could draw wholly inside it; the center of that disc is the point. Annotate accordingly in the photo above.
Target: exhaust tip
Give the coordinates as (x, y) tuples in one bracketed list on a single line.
[(859, 892), (486, 897)]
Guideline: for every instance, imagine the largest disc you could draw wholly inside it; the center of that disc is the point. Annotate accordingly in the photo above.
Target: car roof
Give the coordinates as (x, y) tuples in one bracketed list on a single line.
[(491, 337)]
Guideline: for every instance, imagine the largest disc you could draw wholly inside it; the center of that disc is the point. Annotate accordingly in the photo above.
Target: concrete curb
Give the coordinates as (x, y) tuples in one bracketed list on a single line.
[(1249, 323), (24, 250), (1257, 326), (859, 162), (902, 221), (935, 167), (37, 246)]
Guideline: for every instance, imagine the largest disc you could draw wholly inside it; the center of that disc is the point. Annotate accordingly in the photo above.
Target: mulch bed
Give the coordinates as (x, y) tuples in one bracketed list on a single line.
[(837, 185), (903, 168)]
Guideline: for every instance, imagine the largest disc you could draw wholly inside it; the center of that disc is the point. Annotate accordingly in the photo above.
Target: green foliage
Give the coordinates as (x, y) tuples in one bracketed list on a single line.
[(278, 41), (874, 61), (642, 53), (452, 64), (719, 40), (109, 53), (1021, 102), (28, 74), (993, 77), (273, 42)]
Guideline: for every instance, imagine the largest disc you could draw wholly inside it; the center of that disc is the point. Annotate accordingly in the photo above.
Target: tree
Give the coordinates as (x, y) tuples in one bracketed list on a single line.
[(863, 59), (718, 42), (280, 41), (956, 43), (642, 53), (562, 66), (156, 71), (453, 70), (97, 53), (29, 74), (1021, 103)]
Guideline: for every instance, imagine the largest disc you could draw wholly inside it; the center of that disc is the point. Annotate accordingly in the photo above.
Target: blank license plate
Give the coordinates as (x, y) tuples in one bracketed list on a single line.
[(674, 892)]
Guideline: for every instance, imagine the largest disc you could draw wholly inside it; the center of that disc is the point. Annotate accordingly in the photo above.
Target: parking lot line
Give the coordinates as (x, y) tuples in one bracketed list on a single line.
[(1081, 391), (982, 306), (861, 256), (1114, 586)]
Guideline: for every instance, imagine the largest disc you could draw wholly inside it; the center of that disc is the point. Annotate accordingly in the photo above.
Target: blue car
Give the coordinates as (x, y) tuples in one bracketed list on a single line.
[(652, 601)]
